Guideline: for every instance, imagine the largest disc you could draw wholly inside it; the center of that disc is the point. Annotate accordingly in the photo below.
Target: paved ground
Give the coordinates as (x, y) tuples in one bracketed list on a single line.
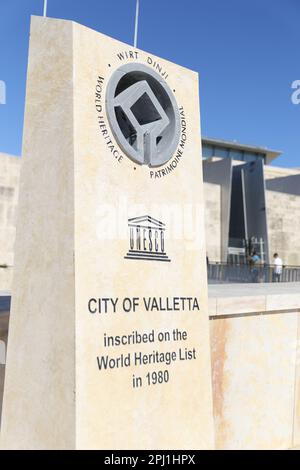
[(241, 290)]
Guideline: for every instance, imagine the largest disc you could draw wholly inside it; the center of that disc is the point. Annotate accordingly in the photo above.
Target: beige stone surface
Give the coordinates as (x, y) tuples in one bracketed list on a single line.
[(255, 364), (272, 172), (39, 398), (232, 305), (246, 379), (253, 361), (6, 276), (169, 416), (55, 396), (296, 426), (236, 299), (212, 196), (283, 214), (9, 188)]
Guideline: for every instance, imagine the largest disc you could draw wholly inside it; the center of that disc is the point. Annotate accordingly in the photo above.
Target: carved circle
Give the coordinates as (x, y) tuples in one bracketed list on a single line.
[(143, 114)]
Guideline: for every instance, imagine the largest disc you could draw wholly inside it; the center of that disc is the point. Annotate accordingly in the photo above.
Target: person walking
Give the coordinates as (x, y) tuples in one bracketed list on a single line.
[(277, 271), (254, 266)]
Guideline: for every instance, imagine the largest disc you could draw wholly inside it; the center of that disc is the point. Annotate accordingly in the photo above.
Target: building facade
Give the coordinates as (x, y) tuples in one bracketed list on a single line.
[(250, 205), (9, 188), (245, 199)]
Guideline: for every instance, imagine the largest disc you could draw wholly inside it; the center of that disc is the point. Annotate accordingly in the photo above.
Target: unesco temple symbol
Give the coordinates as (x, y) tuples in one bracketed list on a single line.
[(143, 114), (147, 239)]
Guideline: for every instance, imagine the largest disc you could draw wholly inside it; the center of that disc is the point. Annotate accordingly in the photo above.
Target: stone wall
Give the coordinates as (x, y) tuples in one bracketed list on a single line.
[(284, 226), (283, 213), (9, 186), (272, 172), (255, 365), (212, 196), (3, 338)]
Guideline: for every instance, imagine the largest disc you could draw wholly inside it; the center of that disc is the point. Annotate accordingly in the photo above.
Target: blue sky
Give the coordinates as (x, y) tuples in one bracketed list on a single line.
[(246, 52)]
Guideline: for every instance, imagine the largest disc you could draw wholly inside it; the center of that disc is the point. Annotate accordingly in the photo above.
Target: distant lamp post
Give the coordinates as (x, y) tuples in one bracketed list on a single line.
[(45, 8), (2, 92), (136, 24)]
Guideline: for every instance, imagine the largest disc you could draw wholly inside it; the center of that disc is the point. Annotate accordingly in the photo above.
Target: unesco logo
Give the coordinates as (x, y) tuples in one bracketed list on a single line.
[(146, 239), (143, 114)]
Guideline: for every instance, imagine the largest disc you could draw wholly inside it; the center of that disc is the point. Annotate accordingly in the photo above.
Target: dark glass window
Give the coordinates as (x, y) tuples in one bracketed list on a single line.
[(207, 151), (221, 152), (236, 154)]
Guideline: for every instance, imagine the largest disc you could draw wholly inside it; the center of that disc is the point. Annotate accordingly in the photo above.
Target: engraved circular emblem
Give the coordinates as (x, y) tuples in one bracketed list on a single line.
[(143, 114)]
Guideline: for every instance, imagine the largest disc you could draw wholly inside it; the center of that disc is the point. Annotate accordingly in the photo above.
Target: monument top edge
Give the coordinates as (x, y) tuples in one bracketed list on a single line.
[(42, 19)]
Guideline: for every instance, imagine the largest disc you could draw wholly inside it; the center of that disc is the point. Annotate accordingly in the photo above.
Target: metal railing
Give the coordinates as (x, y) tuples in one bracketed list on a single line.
[(240, 249), (222, 273)]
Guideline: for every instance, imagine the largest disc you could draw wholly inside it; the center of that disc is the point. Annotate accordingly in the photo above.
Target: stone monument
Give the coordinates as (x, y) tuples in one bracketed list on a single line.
[(108, 344)]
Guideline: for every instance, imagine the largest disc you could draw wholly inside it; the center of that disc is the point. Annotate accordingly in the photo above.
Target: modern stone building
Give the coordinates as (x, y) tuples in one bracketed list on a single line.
[(245, 197), (250, 204)]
